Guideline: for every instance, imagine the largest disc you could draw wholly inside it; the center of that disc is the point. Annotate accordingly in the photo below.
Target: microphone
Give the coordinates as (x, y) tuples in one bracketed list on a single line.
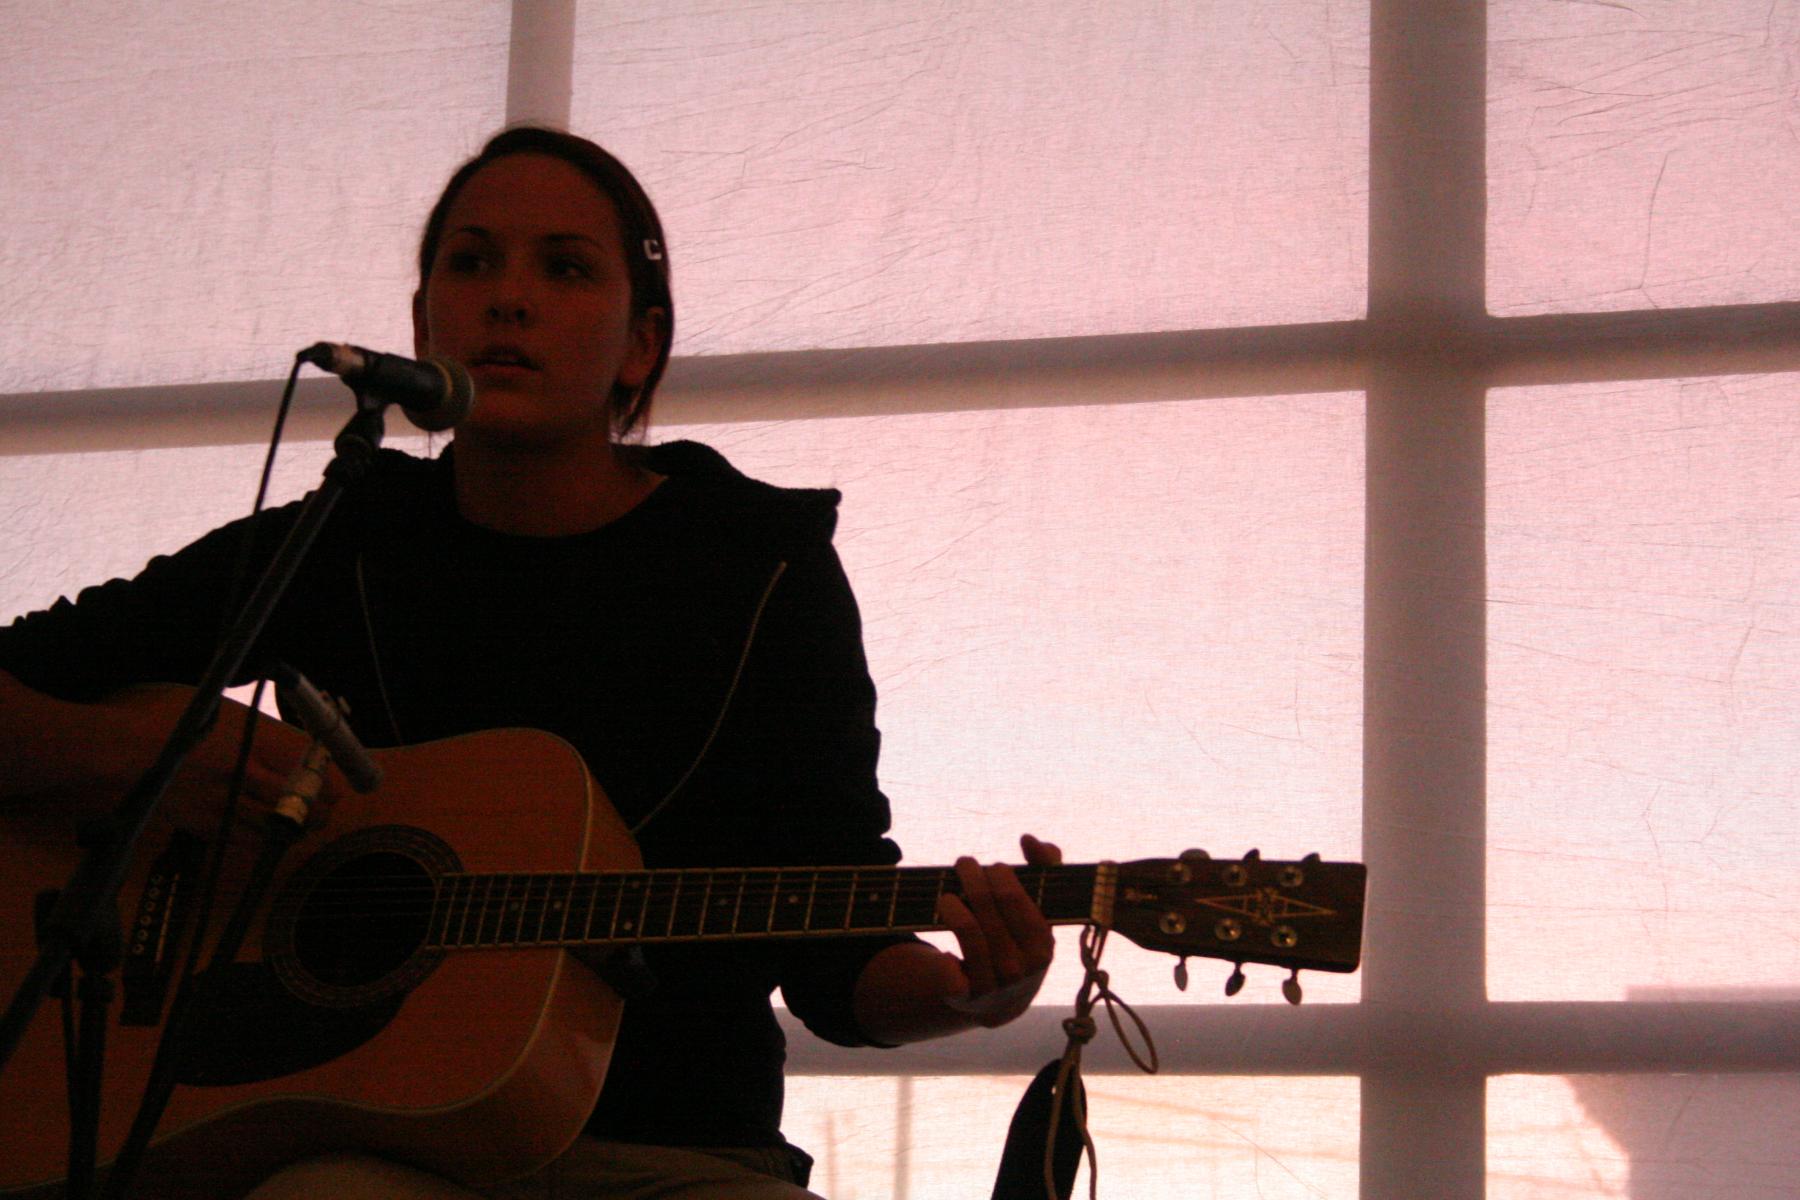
[(325, 721), (436, 393)]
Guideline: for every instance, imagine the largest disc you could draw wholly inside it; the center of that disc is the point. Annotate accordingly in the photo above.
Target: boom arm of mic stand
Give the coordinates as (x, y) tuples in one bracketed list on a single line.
[(88, 901)]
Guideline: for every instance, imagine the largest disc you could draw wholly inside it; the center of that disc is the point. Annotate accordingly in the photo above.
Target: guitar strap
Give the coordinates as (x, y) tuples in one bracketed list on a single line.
[(1028, 1139), (1049, 1129)]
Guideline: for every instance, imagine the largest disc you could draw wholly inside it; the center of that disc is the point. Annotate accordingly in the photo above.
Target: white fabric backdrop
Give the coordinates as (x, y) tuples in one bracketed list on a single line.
[(1134, 626)]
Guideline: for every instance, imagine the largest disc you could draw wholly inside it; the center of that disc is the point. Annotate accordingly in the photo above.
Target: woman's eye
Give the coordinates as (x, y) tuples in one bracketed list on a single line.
[(465, 261), (565, 267)]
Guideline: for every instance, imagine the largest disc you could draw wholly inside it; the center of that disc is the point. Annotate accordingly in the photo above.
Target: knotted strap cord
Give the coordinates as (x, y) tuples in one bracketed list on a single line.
[(1080, 1029)]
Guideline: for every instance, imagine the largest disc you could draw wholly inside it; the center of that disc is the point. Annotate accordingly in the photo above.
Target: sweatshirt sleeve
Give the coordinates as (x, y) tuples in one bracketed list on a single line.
[(809, 692), (161, 626)]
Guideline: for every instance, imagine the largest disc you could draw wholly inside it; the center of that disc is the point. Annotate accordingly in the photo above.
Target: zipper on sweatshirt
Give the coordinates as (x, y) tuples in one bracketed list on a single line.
[(737, 676)]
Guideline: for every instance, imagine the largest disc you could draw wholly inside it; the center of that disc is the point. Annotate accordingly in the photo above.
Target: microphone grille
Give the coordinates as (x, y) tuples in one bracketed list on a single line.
[(459, 397)]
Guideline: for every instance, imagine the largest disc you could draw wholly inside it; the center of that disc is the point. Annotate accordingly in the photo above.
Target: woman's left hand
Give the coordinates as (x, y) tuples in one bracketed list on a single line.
[(1005, 941)]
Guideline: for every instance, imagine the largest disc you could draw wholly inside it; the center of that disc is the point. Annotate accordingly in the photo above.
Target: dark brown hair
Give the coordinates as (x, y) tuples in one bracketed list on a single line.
[(640, 229)]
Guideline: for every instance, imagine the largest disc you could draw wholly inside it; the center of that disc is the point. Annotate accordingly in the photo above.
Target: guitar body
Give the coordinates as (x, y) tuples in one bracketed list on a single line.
[(402, 989), (344, 1035)]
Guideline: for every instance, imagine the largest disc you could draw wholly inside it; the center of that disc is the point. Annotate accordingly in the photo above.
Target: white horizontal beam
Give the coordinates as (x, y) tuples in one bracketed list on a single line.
[(1626, 1037), (1270, 360)]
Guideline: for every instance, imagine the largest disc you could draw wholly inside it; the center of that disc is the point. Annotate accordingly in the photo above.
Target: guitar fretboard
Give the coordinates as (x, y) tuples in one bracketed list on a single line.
[(588, 908)]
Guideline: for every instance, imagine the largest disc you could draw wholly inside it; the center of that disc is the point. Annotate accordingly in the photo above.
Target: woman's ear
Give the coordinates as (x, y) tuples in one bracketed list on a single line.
[(648, 333)]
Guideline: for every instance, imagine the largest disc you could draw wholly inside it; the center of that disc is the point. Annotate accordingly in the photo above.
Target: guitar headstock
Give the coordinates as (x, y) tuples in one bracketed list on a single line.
[(1304, 915)]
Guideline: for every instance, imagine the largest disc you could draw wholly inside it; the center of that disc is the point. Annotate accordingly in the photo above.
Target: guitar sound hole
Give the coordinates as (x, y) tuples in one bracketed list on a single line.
[(363, 920)]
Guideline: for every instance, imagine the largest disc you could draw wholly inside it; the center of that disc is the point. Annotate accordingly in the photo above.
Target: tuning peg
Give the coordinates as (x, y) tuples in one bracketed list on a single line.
[(1311, 858), (1181, 978), (1290, 987), (1195, 856), (1253, 856), (1235, 984)]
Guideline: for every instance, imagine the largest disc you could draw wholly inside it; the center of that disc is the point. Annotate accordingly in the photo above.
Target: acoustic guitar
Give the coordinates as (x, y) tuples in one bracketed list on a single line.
[(407, 989)]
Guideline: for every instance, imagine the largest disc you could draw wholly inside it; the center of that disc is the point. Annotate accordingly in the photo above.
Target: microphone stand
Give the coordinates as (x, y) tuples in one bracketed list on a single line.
[(83, 923)]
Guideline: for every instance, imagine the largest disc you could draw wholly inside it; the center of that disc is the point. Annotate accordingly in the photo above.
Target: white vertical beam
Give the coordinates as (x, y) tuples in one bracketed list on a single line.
[(1424, 760), (540, 66)]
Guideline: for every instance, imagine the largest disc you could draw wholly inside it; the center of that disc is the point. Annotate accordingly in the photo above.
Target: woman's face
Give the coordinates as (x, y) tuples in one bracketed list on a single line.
[(529, 289)]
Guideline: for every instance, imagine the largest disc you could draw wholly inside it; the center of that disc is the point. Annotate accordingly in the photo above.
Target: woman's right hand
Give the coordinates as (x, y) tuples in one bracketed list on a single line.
[(86, 756), (196, 799)]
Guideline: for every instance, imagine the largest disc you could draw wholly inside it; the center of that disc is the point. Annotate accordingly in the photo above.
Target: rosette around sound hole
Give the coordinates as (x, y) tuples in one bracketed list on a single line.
[(353, 925)]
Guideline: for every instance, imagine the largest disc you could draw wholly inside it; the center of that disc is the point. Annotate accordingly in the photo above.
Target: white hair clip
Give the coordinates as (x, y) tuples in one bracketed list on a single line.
[(653, 250)]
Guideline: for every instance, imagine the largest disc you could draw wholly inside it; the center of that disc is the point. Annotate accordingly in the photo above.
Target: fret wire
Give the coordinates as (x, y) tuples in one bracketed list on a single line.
[(562, 930), (705, 903), (435, 934), (774, 900), (850, 904), (458, 917), (459, 911), (618, 906), (598, 885), (893, 896), (471, 891), (547, 937), (674, 903), (489, 932), (440, 924), (493, 919), (532, 892), (812, 891), (612, 931), (487, 929), (521, 908), (506, 910), (537, 890), (587, 926)]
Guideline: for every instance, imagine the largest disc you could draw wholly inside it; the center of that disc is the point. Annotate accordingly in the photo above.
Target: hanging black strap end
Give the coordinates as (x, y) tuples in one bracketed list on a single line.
[(1021, 1174)]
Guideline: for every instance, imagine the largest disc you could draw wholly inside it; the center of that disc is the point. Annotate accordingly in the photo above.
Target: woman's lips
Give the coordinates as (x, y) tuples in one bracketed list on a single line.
[(503, 356)]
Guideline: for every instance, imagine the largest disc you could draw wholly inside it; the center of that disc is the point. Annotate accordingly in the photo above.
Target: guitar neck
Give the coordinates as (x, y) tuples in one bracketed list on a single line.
[(716, 904)]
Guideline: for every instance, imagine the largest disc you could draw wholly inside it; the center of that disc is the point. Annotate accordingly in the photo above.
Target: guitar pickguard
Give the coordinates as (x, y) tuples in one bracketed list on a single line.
[(251, 1029)]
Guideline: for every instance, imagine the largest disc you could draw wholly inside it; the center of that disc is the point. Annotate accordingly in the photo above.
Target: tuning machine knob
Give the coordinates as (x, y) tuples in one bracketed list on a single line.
[(1181, 973), (1290, 987), (1235, 984)]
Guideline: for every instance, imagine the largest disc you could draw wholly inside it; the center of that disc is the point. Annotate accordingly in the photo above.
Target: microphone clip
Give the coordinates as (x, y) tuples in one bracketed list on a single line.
[(323, 717)]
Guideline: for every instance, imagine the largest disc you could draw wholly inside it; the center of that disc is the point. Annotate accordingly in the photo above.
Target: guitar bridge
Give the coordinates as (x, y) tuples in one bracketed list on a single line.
[(153, 938)]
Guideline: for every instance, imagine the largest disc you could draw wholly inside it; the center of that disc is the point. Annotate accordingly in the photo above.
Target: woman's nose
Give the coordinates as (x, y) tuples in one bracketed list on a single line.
[(510, 310), (511, 299)]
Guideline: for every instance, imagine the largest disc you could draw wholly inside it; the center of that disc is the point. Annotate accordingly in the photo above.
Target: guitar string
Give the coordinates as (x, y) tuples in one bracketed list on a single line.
[(544, 894), (828, 903), (527, 886), (788, 878)]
